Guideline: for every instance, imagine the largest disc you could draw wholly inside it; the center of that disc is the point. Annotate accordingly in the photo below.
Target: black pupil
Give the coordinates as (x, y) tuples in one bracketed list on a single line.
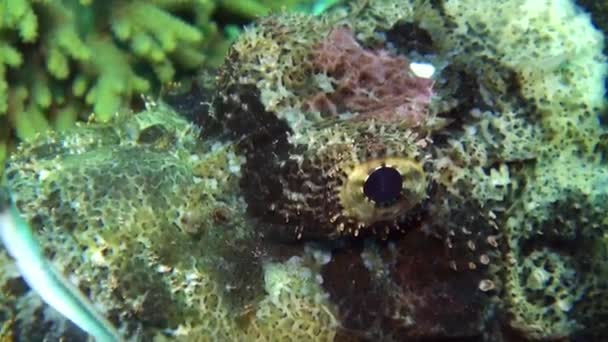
[(383, 186)]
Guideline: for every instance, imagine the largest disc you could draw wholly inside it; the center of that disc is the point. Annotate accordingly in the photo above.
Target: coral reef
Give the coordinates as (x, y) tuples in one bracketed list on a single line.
[(550, 286), (305, 198), (62, 60)]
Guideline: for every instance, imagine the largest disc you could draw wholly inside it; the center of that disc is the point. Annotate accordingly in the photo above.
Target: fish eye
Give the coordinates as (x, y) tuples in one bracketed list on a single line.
[(383, 186), (380, 190)]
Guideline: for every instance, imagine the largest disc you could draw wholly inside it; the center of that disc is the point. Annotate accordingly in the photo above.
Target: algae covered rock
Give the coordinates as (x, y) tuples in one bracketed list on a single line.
[(309, 196)]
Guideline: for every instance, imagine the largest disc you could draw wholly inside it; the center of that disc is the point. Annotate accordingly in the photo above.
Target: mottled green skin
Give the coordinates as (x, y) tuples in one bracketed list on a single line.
[(147, 219), (111, 193)]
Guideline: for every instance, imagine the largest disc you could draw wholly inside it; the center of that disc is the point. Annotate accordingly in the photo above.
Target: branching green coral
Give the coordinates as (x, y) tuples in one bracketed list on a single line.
[(91, 51)]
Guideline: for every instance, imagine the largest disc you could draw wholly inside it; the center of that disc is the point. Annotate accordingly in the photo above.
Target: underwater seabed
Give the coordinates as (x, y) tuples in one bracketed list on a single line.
[(390, 170)]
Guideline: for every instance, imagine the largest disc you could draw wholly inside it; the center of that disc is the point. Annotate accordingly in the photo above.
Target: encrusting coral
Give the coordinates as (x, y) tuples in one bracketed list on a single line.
[(305, 200)]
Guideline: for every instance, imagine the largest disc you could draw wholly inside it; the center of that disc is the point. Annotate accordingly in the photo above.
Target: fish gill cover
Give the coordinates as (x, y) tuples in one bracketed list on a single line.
[(318, 186)]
